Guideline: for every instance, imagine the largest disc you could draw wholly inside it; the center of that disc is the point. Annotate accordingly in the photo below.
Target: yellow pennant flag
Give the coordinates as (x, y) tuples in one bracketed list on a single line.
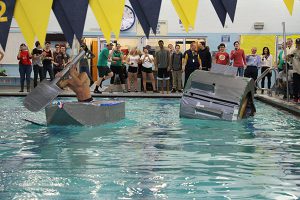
[(113, 10), (24, 24), (38, 13), (101, 18), (187, 12), (290, 5)]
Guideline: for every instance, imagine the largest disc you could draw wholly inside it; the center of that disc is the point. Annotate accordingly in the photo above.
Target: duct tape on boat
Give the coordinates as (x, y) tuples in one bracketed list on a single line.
[(199, 105), (235, 113)]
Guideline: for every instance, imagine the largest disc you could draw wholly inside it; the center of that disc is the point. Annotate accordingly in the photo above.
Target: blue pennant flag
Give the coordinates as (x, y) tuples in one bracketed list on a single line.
[(6, 10), (230, 6), (75, 12), (147, 13), (220, 10), (141, 16), (151, 10)]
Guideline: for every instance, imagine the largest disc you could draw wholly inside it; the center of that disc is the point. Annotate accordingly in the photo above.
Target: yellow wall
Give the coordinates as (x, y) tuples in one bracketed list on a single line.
[(258, 41)]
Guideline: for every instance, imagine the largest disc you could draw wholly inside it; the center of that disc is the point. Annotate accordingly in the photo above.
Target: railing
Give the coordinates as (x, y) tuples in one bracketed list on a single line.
[(264, 74)]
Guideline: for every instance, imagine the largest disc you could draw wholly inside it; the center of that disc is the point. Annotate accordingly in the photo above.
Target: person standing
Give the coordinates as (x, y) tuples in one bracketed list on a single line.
[(104, 71), (47, 61), (192, 61), (65, 57), (253, 63), (289, 49), (133, 62), (205, 56), (266, 64), (176, 68), (294, 57), (147, 65), (162, 65), (239, 58), (25, 67), (222, 57), (116, 66), (57, 62), (38, 69), (84, 62)]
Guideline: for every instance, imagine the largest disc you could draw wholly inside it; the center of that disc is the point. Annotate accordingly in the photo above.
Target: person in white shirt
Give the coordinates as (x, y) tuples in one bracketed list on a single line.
[(266, 63), (148, 63), (133, 60)]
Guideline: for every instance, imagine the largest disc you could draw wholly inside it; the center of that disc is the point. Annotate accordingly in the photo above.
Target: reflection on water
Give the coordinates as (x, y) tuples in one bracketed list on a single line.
[(152, 154)]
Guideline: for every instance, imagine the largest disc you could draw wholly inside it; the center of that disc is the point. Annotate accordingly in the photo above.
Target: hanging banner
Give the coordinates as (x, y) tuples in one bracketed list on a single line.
[(38, 13), (6, 14), (147, 13), (71, 16), (101, 19), (187, 12), (141, 16), (230, 6), (64, 24), (290, 5), (220, 10), (113, 10), (24, 24)]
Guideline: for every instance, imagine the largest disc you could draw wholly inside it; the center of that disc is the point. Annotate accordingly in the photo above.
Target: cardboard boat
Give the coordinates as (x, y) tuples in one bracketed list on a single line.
[(85, 114), (218, 94)]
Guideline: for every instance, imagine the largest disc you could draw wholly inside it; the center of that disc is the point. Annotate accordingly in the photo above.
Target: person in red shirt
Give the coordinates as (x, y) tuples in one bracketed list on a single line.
[(239, 58), (222, 57), (25, 67)]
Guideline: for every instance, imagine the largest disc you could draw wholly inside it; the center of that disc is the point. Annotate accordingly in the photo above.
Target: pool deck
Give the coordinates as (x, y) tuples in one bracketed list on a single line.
[(274, 100)]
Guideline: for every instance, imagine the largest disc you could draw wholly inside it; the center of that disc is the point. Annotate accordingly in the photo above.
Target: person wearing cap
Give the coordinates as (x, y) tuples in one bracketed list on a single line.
[(38, 70), (104, 71), (294, 58), (116, 66), (25, 67)]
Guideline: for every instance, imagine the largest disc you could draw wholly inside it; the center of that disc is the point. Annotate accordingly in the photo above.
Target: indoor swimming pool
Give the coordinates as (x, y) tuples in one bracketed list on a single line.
[(151, 154)]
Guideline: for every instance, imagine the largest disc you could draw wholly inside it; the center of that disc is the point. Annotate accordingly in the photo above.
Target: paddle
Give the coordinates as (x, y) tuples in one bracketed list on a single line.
[(46, 91)]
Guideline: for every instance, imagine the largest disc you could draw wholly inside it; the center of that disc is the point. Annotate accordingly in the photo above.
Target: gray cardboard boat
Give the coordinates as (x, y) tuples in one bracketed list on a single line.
[(218, 94), (85, 114)]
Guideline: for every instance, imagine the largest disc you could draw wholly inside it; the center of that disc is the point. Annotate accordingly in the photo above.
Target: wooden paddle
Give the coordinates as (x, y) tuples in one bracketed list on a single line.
[(46, 91)]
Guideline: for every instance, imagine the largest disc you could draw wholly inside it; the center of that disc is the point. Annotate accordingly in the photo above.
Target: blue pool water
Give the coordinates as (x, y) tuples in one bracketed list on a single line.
[(152, 154)]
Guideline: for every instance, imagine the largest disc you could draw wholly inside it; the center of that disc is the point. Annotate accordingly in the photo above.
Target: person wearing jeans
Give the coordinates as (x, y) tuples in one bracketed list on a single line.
[(38, 69), (266, 63), (239, 58), (25, 67)]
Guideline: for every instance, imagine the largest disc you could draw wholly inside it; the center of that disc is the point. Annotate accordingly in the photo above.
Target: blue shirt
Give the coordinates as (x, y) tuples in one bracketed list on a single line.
[(253, 60)]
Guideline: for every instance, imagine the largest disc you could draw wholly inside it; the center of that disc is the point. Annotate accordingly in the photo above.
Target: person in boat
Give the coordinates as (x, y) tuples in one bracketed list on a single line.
[(78, 83)]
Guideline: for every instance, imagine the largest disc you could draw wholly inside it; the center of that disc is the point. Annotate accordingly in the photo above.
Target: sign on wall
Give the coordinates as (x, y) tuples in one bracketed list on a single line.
[(161, 30)]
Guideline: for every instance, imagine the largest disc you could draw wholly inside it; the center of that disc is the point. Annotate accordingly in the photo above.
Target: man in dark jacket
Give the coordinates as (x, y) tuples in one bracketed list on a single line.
[(205, 56)]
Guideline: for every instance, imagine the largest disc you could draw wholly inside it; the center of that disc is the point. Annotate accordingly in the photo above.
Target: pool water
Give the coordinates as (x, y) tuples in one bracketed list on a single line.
[(152, 154)]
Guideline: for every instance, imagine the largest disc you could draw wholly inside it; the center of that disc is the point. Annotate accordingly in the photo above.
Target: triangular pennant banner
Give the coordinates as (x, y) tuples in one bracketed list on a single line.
[(151, 10), (38, 13), (8, 7), (290, 5), (187, 12), (147, 13), (63, 21), (115, 17), (76, 14), (230, 6), (220, 10), (101, 19), (141, 16), (24, 24)]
